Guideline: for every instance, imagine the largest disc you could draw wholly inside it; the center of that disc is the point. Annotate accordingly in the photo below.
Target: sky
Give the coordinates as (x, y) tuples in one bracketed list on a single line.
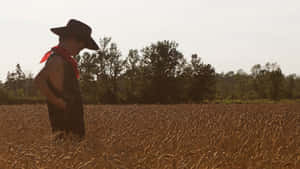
[(229, 34)]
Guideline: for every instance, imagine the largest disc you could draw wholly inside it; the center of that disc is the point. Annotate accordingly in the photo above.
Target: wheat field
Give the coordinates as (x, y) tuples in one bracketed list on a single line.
[(208, 136)]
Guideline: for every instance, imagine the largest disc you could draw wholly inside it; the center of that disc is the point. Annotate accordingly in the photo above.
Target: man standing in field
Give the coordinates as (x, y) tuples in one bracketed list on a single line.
[(58, 80)]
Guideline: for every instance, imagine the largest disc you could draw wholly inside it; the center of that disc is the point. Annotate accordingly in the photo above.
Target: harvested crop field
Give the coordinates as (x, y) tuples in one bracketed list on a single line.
[(157, 136)]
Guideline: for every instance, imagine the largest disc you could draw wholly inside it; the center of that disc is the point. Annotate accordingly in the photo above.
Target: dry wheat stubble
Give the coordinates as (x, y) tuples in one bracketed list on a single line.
[(157, 136)]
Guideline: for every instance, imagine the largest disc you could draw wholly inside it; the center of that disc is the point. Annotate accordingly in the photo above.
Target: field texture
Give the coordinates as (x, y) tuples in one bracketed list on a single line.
[(262, 136)]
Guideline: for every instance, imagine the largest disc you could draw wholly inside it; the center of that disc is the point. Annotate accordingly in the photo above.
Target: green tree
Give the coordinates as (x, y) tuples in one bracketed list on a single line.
[(260, 81), (88, 69), (110, 66), (276, 78), (132, 77), (290, 86), (268, 80), (161, 62), (15, 81), (203, 80)]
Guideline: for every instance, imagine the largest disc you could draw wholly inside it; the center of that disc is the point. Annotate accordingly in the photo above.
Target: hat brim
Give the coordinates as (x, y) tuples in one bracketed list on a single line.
[(62, 31)]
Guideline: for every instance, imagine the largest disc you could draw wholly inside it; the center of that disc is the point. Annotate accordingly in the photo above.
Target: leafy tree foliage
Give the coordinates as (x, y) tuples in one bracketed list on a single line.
[(161, 61), (201, 80), (159, 73)]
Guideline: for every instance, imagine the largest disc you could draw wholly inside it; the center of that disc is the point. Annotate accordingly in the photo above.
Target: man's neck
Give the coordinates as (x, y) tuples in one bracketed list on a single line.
[(68, 48)]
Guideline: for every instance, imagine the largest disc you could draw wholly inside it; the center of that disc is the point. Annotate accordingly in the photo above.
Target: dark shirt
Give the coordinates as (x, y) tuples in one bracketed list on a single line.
[(72, 119)]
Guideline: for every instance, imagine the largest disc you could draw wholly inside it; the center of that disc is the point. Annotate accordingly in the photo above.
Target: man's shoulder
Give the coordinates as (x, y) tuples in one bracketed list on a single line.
[(55, 59), (55, 63)]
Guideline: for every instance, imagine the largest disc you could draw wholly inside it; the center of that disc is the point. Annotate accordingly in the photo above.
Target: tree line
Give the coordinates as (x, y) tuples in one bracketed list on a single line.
[(157, 74)]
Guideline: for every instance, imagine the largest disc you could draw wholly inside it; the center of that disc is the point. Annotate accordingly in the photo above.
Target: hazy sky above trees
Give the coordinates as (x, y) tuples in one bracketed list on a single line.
[(229, 34)]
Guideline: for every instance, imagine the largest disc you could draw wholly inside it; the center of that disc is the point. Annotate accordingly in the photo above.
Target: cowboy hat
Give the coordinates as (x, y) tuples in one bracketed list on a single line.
[(79, 30)]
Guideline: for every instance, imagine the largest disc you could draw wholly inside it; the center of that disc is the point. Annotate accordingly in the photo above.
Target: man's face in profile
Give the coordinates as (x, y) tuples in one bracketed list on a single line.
[(76, 44)]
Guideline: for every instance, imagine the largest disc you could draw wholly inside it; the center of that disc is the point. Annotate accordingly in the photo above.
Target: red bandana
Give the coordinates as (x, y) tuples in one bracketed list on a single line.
[(65, 54)]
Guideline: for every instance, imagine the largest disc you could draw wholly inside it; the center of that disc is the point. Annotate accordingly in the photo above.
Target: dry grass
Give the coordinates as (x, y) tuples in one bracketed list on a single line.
[(180, 136)]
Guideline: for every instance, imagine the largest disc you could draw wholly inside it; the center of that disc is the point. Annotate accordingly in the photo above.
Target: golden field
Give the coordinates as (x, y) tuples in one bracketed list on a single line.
[(208, 136)]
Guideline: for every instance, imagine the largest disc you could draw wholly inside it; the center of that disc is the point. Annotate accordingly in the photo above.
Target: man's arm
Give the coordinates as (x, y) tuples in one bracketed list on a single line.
[(53, 72)]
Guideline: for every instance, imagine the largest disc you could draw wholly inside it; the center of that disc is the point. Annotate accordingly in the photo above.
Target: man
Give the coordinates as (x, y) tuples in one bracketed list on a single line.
[(58, 79)]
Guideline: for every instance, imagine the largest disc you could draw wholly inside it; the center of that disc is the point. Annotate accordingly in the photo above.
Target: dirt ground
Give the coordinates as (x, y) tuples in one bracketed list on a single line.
[(237, 136)]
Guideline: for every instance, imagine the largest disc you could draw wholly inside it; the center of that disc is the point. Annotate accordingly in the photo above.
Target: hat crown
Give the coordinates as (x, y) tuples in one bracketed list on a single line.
[(79, 27)]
